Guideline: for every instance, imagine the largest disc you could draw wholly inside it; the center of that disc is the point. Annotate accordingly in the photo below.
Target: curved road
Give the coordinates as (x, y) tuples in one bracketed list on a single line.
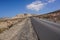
[(46, 30)]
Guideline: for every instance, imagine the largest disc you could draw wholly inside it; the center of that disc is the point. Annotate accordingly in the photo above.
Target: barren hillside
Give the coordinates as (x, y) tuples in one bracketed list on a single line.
[(53, 16)]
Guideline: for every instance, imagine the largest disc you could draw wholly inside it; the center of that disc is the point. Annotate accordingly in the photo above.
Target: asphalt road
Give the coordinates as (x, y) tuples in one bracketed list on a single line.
[(46, 30)]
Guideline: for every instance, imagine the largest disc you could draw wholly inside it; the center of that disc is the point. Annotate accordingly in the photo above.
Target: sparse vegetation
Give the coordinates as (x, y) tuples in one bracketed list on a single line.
[(53, 16), (8, 23), (3, 29)]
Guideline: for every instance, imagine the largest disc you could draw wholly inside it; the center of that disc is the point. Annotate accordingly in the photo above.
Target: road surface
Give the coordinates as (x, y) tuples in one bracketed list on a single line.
[(46, 30)]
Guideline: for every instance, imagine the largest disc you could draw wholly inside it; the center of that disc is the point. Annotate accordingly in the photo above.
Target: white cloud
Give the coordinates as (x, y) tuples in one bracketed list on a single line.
[(37, 5), (50, 1)]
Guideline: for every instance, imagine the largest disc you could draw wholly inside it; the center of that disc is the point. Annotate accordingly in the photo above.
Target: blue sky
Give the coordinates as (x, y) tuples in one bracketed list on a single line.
[(9, 8)]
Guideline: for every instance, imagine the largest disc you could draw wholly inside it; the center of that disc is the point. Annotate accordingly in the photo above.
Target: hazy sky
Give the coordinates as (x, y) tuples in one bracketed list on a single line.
[(10, 8)]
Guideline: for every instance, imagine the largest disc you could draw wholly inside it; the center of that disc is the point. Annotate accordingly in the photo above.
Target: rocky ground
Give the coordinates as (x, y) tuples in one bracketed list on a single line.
[(8, 23), (27, 33), (20, 31)]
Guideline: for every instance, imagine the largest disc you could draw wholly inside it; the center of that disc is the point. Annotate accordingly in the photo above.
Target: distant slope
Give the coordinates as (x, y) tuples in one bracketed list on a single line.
[(55, 16)]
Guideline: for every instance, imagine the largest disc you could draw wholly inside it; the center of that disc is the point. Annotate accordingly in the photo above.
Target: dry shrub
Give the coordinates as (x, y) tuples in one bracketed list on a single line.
[(3, 29)]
